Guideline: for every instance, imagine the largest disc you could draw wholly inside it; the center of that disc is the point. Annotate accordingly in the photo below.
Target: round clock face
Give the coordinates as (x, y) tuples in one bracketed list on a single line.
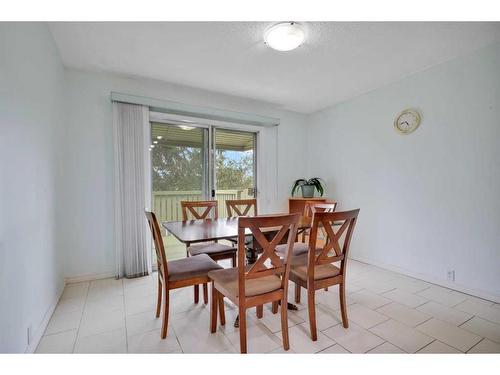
[(407, 121)]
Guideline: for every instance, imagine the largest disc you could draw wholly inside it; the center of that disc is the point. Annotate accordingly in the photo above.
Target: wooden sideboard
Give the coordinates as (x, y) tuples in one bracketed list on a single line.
[(297, 204)]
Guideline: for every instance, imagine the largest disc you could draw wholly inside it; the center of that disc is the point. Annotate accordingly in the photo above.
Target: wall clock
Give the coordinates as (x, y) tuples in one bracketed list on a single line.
[(407, 121)]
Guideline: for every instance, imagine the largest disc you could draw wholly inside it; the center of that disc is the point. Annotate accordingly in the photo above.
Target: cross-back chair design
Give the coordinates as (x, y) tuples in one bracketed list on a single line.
[(310, 207), (201, 210), (176, 273), (241, 207), (264, 281), (318, 271), (314, 206)]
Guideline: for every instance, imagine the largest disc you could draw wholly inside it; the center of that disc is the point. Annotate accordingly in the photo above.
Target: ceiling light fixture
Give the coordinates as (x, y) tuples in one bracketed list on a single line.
[(159, 137), (284, 36), (185, 127)]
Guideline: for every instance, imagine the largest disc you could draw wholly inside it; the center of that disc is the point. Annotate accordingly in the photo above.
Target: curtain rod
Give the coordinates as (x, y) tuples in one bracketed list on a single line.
[(167, 106)]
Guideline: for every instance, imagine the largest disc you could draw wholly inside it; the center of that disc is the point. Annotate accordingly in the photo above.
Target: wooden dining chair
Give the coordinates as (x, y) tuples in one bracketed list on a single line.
[(300, 248), (176, 273), (262, 282), (317, 270), (214, 250), (241, 207)]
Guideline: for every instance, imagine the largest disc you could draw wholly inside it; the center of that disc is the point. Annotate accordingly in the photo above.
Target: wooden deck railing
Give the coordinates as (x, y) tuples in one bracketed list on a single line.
[(167, 207)]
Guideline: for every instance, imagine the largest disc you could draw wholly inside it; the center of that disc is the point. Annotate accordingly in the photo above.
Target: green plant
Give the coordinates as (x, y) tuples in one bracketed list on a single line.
[(315, 181)]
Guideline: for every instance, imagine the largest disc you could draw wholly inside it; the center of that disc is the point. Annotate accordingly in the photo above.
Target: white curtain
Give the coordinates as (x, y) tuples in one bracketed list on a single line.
[(132, 176)]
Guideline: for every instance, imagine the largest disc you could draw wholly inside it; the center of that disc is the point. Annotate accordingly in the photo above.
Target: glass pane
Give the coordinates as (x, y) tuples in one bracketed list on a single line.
[(234, 166), (178, 173)]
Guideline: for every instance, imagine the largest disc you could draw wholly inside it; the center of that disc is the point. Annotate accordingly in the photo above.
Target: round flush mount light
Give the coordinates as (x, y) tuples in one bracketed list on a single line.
[(284, 36)]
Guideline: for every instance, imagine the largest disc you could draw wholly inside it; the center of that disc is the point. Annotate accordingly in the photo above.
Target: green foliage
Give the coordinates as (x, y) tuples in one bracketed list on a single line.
[(180, 168), (315, 181)]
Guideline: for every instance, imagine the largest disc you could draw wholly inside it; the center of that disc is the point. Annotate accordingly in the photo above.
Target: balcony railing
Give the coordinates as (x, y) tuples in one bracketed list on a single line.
[(167, 206)]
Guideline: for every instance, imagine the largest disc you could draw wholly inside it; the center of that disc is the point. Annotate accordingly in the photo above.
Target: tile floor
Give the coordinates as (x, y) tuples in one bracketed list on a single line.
[(388, 312)]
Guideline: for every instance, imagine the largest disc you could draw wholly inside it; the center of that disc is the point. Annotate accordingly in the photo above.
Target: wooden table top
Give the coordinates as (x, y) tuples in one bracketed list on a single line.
[(210, 229)]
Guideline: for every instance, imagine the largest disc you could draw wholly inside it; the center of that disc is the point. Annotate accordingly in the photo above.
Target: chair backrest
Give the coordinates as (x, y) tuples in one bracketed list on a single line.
[(206, 206), (241, 207), (161, 259), (336, 242), (261, 227), (314, 206)]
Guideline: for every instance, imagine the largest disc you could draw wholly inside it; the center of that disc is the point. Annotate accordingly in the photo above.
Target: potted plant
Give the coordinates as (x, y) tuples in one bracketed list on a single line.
[(308, 186)]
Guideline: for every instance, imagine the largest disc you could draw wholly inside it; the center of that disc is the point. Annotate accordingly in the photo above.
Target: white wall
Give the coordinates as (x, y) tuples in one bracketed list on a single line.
[(89, 167), (429, 200), (31, 120)]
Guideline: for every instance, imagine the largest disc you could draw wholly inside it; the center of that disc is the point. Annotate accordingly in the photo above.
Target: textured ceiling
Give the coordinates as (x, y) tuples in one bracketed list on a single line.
[(338, 61)]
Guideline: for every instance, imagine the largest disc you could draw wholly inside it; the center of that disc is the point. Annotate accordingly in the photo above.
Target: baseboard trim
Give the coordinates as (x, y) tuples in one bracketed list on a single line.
[(31, 348), (430, 279), (84, 278)]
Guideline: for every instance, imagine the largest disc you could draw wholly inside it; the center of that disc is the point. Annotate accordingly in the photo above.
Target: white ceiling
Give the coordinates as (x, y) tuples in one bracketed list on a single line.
[(338, 60)]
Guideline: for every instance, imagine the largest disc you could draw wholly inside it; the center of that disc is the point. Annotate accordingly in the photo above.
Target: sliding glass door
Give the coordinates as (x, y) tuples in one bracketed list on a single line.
[(234, 163), (179, 160), (198, 163)]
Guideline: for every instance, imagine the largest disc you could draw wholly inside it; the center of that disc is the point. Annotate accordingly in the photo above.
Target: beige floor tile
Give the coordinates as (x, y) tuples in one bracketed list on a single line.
[(449, 334), (404, 337), (483, 328), (445, 313), (98, 321), (335, 349), (480, 309), (369, 299), (437, 347), (300, 340), (355, 339), (331, 299), (63, 322), (75, 291), (325, 317), (108, 342), (259, 339), (405, 298), (103, 305), (58, 343), (273, 321), (404, 314), (443, 296), (142, 322), (364, 317), (386, 348), (151, 342), (70, 305), (374, 285), (138, 305), (409, 284), (485, 346)]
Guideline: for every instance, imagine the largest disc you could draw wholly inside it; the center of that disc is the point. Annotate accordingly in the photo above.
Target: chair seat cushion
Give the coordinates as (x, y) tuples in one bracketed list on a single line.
[(299, 248), (227, 279), (323, 271), (191, 267), (208, 248)]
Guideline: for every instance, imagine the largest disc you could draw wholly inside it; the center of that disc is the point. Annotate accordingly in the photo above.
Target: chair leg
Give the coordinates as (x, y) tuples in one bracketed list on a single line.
[(260, 311), (343, 305), (234, 260), (158, 301), (164, 325), (213, 309), (196, 293), (220, 299), (284, 324), (275, 307), (243, 330), (297, 293), (312, 314), (205, 293)]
